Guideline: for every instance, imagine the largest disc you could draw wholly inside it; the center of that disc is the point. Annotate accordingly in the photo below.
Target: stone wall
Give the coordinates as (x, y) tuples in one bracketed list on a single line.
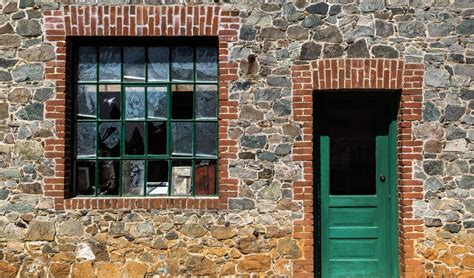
[(258, 232)]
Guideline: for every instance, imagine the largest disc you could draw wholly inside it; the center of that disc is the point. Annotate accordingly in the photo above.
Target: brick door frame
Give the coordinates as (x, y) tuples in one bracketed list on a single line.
[(309, 77)]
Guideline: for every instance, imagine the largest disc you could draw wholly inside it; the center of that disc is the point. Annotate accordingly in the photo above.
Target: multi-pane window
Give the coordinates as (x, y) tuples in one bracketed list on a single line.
[(146, 120)]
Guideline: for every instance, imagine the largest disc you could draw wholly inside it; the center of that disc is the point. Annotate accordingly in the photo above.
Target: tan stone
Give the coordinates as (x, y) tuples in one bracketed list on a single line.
[(255, 263), (166, 268), (429, 253), (234, 254), (289, 248), (468, 261), (82, 270), (222, 232), (200, 265), (135, 270), (449, 259), (217, 251), (227, 269), (283, 268), (458, 249), (59, 269), (41, 230), (108, 270), (8, 269)]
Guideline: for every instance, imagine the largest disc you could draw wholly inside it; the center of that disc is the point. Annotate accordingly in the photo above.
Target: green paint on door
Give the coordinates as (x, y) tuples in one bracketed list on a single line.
[(357, 182)]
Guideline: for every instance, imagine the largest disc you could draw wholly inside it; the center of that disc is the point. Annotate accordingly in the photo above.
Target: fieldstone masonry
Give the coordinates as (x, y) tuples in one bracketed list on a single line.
[(262, 221)]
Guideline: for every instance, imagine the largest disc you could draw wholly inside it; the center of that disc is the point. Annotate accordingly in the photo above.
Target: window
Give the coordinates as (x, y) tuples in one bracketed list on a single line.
[(145, 119)]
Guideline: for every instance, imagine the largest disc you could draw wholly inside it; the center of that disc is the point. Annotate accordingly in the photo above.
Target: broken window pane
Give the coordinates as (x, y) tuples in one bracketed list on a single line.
[(181, 177), (157, 102), (157, 138), (133, 177), (181, 136), (158, 64), (85, 177), (206, 101), (157, 177), (182, 101), (182, 65), (86, 101), (109, 177), (85, 136), (109, 64), (87, 68), (134, 103), (134, 138), (206, 63), (206, 138), (109, 105), (109, 139), (205, 177), (134, 64)]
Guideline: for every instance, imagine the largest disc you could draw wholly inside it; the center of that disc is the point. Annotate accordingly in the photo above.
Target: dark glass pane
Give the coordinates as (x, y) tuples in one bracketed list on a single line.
[(85, 136), (205, 177), (134, 136), (86, 101), (109, 139), (157, 177), (109, 177), (134, 103), (182, 64), (109, 64), (206, 63), (181, 136), (133, 177), (181, 176), (158, 64), (206, 138), (87, 64), (134, 64), (109, 106), (157, 102), (206, 101), (182, 102), (157, 138), (85, 177)]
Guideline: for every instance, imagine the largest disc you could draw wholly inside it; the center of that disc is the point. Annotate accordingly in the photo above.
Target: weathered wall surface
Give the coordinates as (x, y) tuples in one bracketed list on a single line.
[(256, 234)]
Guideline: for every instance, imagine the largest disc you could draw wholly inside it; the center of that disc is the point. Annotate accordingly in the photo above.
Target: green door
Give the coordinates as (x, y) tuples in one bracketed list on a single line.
[(357, 154)]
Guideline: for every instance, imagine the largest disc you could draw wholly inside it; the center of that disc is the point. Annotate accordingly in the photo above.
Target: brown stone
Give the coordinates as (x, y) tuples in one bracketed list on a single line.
[(41, 230), (9, 41), (200, 265), (59, 269), (433, 146), (289, 248), (38, 53), (449, 259), (283, 268), (107, 269), (222, 232), (3, 111), (249, 245), (135, 270), (468, 261), (227, 269), (82, 270), (286, 204), (193, 230), (255, 263), (19, 95), (8, 269), (6, 29)]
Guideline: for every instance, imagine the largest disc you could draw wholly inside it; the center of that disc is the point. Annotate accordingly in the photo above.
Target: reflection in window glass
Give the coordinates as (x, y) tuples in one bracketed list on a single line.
[(157, 102), (157, 177), (109, 64), (85, 177), (134, 64), (134, 177), (181, 177), (109, 177), (205, 177), (206, 63), (134, 136), (86, 101), (182, 138), (206, 138), (109, 139), (85, 136), (87, 64), (206, 101), (134, 103), (182, 65), (158, 64)]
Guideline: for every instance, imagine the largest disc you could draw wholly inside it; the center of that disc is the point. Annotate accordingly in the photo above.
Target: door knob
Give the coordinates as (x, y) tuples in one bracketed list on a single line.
[(382, 178)]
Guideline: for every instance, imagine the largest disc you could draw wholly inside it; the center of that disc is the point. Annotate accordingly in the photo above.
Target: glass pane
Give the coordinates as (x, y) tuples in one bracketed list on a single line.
[(206, 101), (182, 101), (205, 177), (206, 138), (87, 68), (86, 101), (181, 177), (158, 64), (109, 177), (134, 138), (134, 64), (109, 105), (206, 64), (133, 177), (157, 102), (85, 177), (181, 136), (109, 64), (182, 64), (85, 136), (157, 138), (109, 139), (157, 177), (134, 103)]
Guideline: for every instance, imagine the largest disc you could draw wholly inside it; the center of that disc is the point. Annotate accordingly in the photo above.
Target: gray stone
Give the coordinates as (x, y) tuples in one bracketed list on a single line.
[(28, 28), (259, 19), (439, 29), (458, 145), (242, 173), (117, 228), (333, 50), (10, 7), (43, 94), (469, 203), (283, 149), (433, 222), (457, 167), (282, 107), (193, 230), (28, 72), (279, 81), (71, 228), (38, 53), (29, 149), (246, 155), (433, 183), (140, 229), (456, 57), (267, 156), (467, 94), (383, 51), (453, 113), (7, 63), (411, 29), (241, 204), (24, 133), (21, 203), (312, 20), (26, 3), (468, 224), (433, 167), (436, 77), (310, 51), (452, 227), (467, 70), (270, 7), (31, 188), (41, 230), (359, 31), (33, 14), (466, 182), (3, 111), (431, 112), (280, 23), (335, 9), (19, 95), (253, 141), (9, 41), (371, 5), (383, 29), (358, 49), (18, 15), (31, 112), (247, 33), (454, 132), (171, 235), (4, 194), (250, 113), (466, 27), (9, 173), (328, 34), (5, 75), (265, 174), (297, 32), (272, 33), (318, 8)]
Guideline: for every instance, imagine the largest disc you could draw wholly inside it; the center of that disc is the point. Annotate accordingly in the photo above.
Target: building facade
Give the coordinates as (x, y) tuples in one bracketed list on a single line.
[(220, 138)]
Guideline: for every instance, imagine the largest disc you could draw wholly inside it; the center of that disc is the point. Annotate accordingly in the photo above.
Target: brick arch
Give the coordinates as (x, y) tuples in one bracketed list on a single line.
[(380, 74)]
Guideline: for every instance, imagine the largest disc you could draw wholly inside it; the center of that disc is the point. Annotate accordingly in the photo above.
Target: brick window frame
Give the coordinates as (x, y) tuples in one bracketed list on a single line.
[(129, 20), (381, 74)]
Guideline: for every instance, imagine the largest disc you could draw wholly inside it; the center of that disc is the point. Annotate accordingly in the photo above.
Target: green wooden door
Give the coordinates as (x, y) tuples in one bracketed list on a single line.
[(356, 145)]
